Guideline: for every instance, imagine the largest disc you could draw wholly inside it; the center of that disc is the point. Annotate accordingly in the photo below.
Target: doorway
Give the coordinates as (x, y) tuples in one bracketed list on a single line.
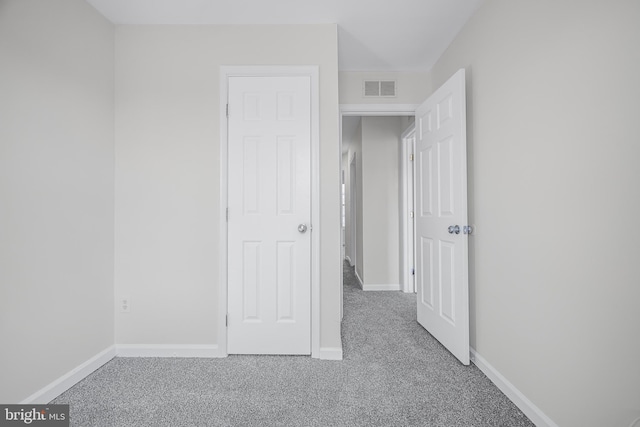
[(440, 196), (375, 187)]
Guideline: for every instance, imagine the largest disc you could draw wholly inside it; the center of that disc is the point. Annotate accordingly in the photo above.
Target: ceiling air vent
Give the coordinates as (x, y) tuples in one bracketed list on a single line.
[(379, 88)]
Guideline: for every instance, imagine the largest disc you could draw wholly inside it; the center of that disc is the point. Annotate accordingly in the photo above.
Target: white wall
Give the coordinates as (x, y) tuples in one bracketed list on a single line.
[(56, 191), (167, 175), (553, 107), (411, 87)]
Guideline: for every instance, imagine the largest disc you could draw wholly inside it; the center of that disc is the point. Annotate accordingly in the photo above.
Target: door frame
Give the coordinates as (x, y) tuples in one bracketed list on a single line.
[(270, 71), (352, 163), (407, 279)]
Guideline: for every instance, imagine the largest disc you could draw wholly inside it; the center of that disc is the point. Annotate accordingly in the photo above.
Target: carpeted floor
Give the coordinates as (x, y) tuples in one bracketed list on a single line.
[(393, 374)]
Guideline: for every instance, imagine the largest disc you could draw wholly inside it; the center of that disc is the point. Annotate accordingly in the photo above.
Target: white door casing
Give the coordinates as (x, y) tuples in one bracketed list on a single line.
[(352, 210), (441, 202), (406, 210), (269, 196)]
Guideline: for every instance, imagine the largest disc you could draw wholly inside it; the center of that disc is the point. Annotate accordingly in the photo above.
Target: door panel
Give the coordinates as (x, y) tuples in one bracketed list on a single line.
[(425, 272), (269, 261), (441, 194), (425, 166), (251, 281)]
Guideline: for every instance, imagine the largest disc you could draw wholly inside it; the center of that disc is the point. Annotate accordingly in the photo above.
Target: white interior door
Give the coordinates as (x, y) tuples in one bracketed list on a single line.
[(441, 215), (269, 235)]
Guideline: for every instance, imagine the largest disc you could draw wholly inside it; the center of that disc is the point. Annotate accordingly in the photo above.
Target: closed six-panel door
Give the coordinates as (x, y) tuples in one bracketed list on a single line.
[(269, 234)]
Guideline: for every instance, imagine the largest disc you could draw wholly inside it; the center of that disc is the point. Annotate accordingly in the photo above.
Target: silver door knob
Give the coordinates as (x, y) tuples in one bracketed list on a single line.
[(302, 228), (454, 229)]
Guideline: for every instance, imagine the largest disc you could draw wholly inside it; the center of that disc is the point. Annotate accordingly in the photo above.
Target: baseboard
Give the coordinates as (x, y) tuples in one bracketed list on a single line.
[(167, 350), (330, 353), (71, 378), (520, 400), (383, 287)]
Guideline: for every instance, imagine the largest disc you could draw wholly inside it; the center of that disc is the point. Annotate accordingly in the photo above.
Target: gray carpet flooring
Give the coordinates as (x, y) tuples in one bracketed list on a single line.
[(393, 374)]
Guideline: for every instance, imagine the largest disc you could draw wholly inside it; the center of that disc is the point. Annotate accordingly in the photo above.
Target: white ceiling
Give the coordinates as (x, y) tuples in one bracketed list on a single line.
[(373, 35)]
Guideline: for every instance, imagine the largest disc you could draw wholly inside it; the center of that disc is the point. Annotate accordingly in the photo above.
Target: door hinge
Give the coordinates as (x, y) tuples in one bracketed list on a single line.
[(227, 214), (411, 214), (411, 157), (227, 110), (226, 320)]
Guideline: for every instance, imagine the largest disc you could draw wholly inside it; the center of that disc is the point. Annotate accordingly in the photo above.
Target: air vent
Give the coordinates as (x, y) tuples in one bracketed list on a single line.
[(379, 88)]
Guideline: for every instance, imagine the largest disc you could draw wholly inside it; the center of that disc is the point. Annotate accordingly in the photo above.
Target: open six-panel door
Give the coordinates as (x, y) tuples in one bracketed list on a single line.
[(441, 237)]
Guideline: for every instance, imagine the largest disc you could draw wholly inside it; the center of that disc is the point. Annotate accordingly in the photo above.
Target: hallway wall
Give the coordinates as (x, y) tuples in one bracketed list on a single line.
[(377, 242), (380, 140)]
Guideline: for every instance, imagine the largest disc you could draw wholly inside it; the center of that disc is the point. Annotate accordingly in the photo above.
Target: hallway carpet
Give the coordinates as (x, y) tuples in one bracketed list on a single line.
[(393, 374)]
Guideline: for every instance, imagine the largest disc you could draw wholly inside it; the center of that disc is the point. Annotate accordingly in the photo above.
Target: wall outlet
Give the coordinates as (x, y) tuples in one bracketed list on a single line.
[(124, 303)]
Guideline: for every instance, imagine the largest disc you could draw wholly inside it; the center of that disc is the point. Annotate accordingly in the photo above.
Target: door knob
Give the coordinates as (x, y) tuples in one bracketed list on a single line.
[(454, 229), (302, 228)]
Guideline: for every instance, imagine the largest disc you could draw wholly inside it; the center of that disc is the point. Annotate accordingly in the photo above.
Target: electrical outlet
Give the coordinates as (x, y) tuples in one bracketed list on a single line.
[(125, 304)]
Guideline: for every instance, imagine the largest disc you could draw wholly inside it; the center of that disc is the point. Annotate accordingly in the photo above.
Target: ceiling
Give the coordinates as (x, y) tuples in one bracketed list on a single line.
[(373, 35)]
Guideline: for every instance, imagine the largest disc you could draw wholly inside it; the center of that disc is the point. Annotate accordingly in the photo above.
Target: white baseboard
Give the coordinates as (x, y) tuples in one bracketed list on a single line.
[(330, 353), (382, 287), (520, 400), (168, 350), (71, 378)]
